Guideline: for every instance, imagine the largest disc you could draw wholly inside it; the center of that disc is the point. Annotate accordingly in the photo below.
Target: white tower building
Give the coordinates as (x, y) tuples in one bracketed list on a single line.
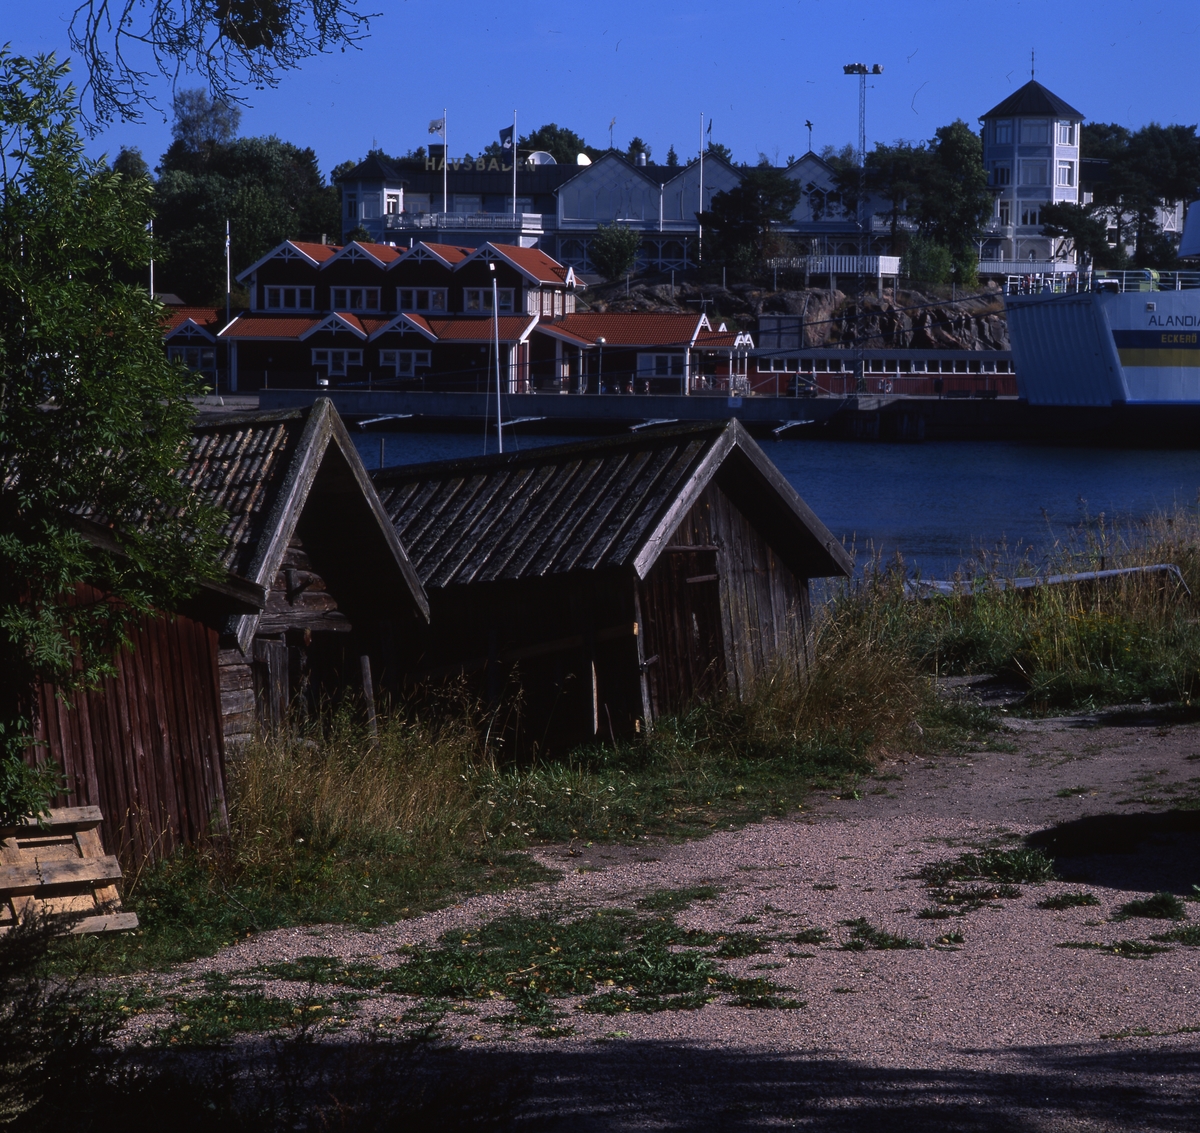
[(1031, 153)]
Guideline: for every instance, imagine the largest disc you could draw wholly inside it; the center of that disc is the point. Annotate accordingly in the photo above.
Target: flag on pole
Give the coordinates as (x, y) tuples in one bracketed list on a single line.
[(438, 126), (709, 130), (506, 139)]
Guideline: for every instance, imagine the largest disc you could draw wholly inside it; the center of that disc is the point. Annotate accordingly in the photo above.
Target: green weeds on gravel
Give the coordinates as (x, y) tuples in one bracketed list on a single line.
[(1189, 935), (1069, 901), (618, 961), (863, 936), (1129, 949), (1161, 906), (676, 900), (1008, 866)]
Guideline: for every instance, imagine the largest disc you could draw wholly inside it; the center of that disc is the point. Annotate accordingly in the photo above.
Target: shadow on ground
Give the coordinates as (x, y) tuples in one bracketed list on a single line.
[(618, 1085), (1146, 851)]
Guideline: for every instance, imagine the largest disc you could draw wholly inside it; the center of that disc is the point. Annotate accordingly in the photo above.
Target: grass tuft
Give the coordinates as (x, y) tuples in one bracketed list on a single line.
[(1129, 949), (1069, 901), (1189, 935), (1160, 906), (676, 900), (864, 935), (1009, 866)]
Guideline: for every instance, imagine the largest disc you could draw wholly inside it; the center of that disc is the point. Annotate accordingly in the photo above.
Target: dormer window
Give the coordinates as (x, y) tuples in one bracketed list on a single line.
[(355, 298), (287, 298), (478, 300), (1002, 133), (430, 300)]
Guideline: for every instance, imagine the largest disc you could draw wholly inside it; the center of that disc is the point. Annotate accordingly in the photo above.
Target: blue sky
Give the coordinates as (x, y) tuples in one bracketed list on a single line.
[(758, 69)]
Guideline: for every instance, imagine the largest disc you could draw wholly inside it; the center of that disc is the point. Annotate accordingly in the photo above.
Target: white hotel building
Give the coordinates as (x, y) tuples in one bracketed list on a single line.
[(1031, 153)]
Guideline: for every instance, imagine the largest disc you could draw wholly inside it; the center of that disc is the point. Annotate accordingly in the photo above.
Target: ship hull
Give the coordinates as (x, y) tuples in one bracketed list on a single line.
[(1128, 349)]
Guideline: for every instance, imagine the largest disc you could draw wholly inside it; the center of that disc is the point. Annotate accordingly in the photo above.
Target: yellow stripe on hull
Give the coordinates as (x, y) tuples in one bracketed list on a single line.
[(1159, 358)]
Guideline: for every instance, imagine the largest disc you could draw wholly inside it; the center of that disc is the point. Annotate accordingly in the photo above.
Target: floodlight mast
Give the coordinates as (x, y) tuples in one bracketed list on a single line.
[(862, 71)]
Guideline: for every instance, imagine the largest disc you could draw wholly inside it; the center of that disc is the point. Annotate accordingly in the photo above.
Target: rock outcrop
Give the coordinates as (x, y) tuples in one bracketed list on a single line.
[(831, 318)]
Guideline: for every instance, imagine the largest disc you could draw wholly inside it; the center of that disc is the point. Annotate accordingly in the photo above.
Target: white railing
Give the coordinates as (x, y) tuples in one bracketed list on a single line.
[(1027, 267), (525, 221), (839, 265)]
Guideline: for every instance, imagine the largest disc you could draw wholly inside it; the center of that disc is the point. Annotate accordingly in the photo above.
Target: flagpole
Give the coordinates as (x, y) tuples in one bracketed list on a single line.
[(514, 161), (699, 222), (445, 160)]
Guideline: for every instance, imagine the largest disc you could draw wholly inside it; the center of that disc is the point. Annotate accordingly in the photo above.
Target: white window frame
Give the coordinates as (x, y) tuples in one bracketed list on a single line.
[(478, 300), (354, 298), (405, 363), (392, 203), (1065, 175), (660, 365), (1066, 133), (1002, 132), (335, 362), (421, 300), (1035, 131), (280, 298)]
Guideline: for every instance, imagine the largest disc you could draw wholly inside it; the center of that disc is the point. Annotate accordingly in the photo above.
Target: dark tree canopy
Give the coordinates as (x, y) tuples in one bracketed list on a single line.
[(636, 148), (269, 191), (561, 143), (201, 121), (672, 159), (613, 250), (125, 45), (742, 220), (92, 415)]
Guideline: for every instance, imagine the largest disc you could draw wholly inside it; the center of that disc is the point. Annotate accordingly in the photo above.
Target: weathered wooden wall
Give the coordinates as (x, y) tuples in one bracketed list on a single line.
[(146, 746), (718, 561)]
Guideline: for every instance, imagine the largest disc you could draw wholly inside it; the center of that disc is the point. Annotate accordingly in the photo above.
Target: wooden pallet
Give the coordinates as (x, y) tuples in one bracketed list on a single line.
[(60, 869)]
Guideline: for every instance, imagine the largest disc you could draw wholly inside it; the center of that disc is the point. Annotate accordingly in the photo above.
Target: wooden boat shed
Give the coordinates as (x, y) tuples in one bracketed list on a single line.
[(315, 578), (616, 580)]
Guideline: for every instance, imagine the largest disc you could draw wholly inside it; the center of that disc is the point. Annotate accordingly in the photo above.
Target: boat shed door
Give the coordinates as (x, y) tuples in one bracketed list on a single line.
[(683, 646)]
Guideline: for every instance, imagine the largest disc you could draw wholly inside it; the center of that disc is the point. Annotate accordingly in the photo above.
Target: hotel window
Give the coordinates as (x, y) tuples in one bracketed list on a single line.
[(1035, 131), (371, 207), (427, 299), (288, 298), (404, 363), (1004, 213), (1029, 215), (1033, 173), (392, 207), (355, 298), (336, 362), (467, 204), (478, 300), (660, 365), (417, 202), (1066, 173), (1066, 133), (1002, 173), (1002, 132), (351, 206)]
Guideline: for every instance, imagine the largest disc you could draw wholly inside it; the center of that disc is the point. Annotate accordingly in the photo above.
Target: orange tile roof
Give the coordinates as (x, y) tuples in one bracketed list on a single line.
[(470, 329), (271, 326), (385, 252), (536, 262), (319, 252), (211, 318), (452, 253), (625, 328), (722, 338)]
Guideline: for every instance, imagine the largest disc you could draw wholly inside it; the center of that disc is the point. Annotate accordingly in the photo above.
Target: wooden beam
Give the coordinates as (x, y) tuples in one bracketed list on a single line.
[(20, 878)]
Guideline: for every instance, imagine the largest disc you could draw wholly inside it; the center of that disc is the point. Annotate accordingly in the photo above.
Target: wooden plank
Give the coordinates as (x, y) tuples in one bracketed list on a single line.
[(34, 875), (60, 818), (105, 922)]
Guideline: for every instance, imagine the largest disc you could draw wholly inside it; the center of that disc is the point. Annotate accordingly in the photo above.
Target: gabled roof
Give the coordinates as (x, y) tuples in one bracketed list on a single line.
[(628, 328), (611, 503), (725, 339), (401, 323), (448, 254), (265, 471), (467, 328), (372, 168), (339, 320), (255, 324), (532, 263), (383, 255), (1033, 98), (312, 254), (188, 321)]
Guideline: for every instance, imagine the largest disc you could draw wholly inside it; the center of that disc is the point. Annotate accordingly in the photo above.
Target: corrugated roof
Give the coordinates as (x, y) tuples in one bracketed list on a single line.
[(1033, 98), (578, 507), (627, 328)]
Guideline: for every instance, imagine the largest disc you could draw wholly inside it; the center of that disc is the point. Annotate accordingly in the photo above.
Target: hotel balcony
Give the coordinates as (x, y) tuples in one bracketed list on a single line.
[(533, 223)]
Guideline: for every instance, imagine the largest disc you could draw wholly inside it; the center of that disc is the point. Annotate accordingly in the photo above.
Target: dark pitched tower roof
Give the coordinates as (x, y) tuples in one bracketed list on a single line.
[(1031, 100), (373, 168)]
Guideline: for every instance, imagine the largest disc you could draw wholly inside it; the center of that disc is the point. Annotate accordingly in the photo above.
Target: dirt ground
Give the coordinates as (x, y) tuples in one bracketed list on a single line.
[(1003, 1031)]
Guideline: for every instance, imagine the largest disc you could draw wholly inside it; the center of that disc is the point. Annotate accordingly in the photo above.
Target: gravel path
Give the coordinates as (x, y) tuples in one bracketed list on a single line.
[(1004, 1031)]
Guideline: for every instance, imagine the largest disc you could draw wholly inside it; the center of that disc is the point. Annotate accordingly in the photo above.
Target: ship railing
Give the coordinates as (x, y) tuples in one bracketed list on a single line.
[(1118, 282)]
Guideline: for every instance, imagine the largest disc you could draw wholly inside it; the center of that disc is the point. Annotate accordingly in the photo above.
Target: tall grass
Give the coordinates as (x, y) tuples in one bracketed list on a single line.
[(1068, 645)]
